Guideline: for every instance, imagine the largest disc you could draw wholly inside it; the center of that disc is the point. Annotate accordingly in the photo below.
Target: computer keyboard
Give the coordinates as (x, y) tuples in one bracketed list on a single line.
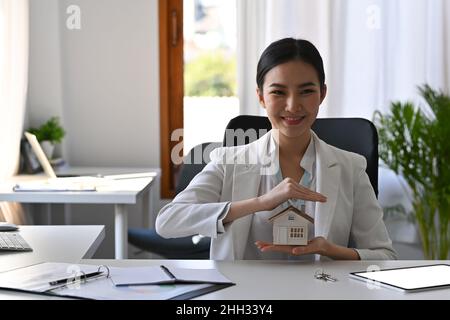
[(13, 241)]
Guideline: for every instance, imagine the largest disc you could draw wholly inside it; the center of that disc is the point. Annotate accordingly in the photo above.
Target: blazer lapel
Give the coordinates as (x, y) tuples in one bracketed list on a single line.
[(328, 175), (245, 186), (246, 182)]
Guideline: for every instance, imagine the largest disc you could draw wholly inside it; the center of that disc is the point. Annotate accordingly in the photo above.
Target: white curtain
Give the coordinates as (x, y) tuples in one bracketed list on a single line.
[(13, 88), (251, 16), (374, 51)]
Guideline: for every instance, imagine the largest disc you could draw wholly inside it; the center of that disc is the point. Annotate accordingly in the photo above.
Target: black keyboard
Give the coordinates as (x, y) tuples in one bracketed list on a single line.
[(13, 241)]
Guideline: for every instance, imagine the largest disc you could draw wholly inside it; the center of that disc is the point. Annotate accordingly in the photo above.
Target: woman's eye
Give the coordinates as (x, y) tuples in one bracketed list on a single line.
[(277, 92), (307, 91)]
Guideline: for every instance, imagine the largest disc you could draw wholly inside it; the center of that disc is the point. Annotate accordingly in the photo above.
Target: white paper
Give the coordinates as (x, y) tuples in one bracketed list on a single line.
[(200, 275), (63, 184), (106, 290), (140, 275), (155, 275)]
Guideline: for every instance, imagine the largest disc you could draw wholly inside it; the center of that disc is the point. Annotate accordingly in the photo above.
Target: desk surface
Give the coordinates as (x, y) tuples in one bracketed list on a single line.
[(121, 191), (54, 243), (293, 280), (284, 280)]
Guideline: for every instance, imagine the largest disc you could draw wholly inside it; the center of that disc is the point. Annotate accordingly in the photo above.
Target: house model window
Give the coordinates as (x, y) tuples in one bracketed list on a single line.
[(290, 227)]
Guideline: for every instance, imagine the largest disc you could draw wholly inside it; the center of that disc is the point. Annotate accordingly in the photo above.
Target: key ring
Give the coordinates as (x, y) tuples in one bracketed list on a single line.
[(321, 275)]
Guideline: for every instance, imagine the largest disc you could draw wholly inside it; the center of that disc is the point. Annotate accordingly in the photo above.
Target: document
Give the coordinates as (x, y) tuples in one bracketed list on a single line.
[(164, 275), (62, 184), (106, 290)]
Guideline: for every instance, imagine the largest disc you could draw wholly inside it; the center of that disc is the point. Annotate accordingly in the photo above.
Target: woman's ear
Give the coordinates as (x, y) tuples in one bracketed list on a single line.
[(323, 93), (260, 98)]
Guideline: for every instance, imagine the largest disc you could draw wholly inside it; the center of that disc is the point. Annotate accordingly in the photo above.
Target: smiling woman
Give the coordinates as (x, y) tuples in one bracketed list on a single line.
[(13, 85)]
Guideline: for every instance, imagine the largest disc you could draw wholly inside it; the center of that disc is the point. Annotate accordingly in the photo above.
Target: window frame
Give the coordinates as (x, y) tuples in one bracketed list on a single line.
[(171, 73)]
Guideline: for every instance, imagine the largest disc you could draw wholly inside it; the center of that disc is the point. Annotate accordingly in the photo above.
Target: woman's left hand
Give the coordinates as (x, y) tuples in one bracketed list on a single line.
[(318, 245)]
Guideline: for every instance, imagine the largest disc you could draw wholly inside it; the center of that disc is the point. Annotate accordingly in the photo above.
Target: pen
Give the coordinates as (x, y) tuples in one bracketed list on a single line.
[(73, 279), (167, 271)]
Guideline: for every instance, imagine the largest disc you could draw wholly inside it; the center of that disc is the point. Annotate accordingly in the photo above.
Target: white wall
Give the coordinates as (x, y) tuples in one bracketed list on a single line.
[(44, 82), (110, 83), (103, 81)]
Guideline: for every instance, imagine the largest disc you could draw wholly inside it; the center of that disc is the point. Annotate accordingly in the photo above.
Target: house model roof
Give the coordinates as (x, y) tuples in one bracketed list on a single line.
[(295, 210)]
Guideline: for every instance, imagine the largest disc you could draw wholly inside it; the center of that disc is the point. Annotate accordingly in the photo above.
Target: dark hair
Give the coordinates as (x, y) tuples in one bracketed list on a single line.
[(289, 49)]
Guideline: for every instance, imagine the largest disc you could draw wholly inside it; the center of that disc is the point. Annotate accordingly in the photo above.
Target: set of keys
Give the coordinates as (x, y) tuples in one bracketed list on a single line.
[(321, 275)]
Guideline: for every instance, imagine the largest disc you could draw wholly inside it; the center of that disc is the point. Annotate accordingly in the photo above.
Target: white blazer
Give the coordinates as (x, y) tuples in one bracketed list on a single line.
[(351, 217)]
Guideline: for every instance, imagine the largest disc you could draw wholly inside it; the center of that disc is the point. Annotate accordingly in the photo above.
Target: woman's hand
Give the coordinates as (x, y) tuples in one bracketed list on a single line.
[(288, 189), (318, 245)]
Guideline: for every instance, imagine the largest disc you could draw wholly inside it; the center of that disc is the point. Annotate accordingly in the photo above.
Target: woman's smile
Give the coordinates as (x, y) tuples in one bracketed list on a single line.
[(293, 120)]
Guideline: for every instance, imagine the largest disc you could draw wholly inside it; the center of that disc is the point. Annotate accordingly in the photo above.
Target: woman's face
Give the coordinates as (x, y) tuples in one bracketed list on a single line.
[(292, 96)]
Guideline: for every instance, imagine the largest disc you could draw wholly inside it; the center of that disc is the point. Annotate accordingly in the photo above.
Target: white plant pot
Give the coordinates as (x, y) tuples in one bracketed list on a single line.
[(48, 148)]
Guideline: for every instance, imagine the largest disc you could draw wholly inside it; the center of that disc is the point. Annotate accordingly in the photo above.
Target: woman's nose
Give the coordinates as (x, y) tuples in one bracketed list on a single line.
[(293, 104)]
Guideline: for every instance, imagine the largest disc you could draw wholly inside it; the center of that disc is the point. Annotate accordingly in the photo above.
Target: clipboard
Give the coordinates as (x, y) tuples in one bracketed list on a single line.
[(47, 278), (37, 279), (408, 279)]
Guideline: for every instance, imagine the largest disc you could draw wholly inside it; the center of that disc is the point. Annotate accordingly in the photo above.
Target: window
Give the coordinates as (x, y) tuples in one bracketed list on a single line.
[(296, 232), (210, 76), (198, 77)]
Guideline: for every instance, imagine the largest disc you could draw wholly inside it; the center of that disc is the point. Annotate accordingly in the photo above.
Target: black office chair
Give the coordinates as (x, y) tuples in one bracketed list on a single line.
[(351, 134), (192, 247)]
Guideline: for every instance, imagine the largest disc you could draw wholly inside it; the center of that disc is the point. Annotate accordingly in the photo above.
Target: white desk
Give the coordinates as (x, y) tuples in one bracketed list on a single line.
[(291, 280), (122, 194), (54, 243), (284, 280)]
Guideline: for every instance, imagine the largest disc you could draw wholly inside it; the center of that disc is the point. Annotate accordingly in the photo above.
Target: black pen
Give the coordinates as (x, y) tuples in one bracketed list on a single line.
[(76, 278), (167, 271)]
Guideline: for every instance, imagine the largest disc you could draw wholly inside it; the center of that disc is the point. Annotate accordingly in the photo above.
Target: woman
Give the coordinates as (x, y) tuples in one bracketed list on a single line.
[(231, 200)]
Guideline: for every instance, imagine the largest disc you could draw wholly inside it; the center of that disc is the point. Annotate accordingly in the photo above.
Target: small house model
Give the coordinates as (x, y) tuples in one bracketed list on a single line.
[(290, 227)]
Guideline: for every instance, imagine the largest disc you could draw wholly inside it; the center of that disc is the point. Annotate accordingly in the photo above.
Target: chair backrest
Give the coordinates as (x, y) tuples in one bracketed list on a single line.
[(351, 134), (193, 163)]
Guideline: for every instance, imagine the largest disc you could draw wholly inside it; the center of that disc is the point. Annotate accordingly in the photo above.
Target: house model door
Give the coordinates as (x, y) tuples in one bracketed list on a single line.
[(283, 234)]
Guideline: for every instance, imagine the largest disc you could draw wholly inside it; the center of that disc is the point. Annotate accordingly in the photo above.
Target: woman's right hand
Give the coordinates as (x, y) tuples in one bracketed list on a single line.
[(288, 189)]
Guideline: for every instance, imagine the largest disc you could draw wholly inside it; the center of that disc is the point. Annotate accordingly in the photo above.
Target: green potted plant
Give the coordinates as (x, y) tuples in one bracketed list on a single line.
[(49, 134), (416, 145)]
